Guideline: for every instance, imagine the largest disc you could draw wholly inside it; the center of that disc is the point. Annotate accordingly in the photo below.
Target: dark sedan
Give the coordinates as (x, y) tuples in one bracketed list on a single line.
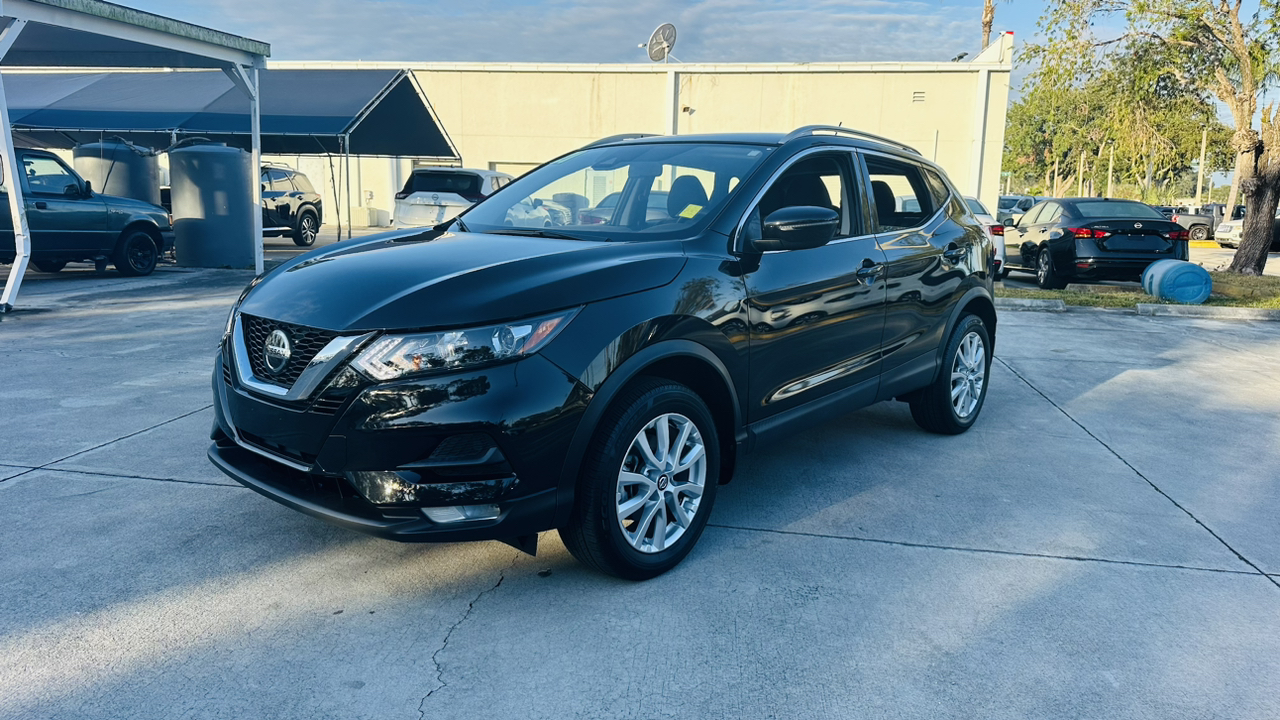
[(1087, 239)]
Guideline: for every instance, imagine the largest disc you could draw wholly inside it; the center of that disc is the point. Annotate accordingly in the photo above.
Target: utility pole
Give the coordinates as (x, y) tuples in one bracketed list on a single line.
[(1204, 142), (1055, 177), (1111, 166), (1080, 177)]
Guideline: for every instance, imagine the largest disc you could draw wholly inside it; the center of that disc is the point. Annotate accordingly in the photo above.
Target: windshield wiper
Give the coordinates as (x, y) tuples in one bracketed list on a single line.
[(536, 232)]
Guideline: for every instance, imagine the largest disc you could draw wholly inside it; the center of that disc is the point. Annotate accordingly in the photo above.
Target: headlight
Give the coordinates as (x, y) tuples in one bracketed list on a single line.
[(1224, 227), (396, 356)]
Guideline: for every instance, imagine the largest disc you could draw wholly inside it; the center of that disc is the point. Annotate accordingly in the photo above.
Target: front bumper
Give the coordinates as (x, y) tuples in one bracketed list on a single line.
[(299, 452), (166, 241)]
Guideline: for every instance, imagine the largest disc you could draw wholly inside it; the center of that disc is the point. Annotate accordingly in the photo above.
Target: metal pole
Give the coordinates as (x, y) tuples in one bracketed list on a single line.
[(1111, 166), (1080, 177), (255, 128), (346, 151), (1204, 143), (17, 204)]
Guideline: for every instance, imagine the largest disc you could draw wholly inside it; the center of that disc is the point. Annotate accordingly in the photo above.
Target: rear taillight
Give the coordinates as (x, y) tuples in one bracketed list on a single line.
[(997, 230), (1089, 233), (1179, 235), (591, 220)]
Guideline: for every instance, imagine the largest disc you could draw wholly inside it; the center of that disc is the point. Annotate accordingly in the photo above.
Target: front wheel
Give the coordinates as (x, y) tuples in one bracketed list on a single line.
[(1199, 233), (308, 228), (951, 404), (648, 484), (136, 254)]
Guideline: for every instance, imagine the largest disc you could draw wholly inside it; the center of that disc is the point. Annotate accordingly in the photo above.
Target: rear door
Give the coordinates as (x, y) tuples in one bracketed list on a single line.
[(61, 216), (926, 254), (816, 316)]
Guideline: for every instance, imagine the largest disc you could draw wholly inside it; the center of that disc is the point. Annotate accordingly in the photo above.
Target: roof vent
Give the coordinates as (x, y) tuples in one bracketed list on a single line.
[(917, 96)]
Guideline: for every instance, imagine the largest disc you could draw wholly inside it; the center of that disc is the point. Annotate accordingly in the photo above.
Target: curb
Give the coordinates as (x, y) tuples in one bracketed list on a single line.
[(1029, 304), (1204, 244), (1201, 311)]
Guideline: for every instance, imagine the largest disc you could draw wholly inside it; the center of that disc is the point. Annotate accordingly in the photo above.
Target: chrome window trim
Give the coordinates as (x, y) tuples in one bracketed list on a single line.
[(334, 353), (924, 223), (739, 246)]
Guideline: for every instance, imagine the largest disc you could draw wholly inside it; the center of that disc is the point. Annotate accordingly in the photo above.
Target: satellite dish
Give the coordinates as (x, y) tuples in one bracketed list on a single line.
[(661, 42)]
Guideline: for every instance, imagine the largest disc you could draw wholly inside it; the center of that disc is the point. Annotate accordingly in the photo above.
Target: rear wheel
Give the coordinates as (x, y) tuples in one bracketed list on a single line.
[(136, 254), (304, 235), (648, 484), (49, 266), (1046, 277), (951, 404), (1199, 233)]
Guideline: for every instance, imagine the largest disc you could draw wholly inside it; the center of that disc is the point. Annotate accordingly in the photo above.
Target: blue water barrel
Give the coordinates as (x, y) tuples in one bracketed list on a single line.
[(1178, 281)]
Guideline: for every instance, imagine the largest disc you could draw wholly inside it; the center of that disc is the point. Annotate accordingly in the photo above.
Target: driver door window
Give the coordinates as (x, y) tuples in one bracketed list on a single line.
[(46, 176), (816, 182)]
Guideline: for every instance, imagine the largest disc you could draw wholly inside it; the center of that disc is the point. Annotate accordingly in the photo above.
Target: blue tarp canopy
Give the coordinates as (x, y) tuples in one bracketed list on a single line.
[(304, 112)]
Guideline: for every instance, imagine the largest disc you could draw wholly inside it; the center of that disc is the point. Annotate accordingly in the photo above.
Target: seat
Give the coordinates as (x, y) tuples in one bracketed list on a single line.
[(794, 191), (685, 191), (886, 204)]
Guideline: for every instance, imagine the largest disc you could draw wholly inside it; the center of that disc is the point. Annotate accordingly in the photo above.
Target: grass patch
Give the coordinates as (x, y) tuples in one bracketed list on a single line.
[(1229, 290)]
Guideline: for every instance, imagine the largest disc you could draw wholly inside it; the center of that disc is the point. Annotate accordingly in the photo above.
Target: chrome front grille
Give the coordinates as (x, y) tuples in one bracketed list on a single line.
[(305, 342)]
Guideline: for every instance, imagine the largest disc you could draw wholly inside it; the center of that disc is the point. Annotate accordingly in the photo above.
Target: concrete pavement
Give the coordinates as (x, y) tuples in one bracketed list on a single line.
[(1097, 546)]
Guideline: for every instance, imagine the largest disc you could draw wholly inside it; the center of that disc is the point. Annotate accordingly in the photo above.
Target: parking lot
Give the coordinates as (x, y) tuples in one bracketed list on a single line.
[(1102, 544)]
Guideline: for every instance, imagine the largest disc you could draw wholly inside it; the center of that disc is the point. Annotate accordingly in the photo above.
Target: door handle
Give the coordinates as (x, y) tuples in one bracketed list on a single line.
[(869, 269), (955, 253), (42, 205)]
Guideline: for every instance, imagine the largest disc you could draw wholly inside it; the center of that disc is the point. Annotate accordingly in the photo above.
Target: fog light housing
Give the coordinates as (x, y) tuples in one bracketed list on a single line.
[(461, 513), (382, 487)]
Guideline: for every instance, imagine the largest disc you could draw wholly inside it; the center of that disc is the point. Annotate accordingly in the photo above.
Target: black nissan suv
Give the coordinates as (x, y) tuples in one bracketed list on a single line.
[(478, 380), (290, 205)]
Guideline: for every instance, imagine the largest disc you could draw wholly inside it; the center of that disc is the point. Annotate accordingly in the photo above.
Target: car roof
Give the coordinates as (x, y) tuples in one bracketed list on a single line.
[(477, 171), (808, 136)]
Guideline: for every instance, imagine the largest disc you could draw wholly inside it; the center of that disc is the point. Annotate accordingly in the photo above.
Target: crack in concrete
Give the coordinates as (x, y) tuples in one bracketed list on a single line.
[(440, 683), (48, 465), (984, 551), (1146, 479)]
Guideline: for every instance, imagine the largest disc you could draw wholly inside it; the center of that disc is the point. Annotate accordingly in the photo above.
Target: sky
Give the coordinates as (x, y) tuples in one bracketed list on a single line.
[(604, 30)]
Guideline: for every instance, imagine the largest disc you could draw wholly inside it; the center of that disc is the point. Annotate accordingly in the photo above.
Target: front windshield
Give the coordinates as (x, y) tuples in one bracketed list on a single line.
[(635, 191)]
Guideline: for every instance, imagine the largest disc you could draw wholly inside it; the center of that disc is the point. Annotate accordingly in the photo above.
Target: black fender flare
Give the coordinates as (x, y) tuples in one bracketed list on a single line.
[(140, 222), (973, 293), (630, 369)]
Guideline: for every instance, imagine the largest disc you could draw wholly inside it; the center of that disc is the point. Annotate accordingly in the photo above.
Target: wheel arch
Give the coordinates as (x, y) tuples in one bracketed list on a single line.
[(679, 360), (144, 224), (977, 301)]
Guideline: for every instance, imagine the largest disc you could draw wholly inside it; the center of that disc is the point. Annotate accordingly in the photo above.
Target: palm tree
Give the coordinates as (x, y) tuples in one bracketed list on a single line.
[(988, 19)]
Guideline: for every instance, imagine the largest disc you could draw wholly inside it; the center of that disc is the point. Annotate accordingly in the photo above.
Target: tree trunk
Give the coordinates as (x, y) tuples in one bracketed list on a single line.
[(988, 19), (1262, 196)]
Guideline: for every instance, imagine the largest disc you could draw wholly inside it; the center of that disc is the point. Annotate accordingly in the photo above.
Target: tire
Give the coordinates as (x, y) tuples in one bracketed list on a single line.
[(1046, 277), (935, 407), (616, 477), (136, 254), (1199, 233), (304, 235), (49, 266)]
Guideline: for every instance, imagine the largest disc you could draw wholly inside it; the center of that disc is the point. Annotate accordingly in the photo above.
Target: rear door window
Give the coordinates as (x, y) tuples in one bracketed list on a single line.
[(901, 195), (303, 183)]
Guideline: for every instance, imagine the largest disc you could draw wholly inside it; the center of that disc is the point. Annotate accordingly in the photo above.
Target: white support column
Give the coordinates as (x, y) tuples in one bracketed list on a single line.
[(12, 182), (673, 102), (247, 80), (346, 152)]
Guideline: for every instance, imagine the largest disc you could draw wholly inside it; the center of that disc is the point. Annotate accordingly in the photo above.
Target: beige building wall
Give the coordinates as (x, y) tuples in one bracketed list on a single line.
[(513, 117)]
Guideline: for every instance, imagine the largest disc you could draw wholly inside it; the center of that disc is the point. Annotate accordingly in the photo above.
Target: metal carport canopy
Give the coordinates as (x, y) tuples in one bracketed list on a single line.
[(304, 112), (92, 33)]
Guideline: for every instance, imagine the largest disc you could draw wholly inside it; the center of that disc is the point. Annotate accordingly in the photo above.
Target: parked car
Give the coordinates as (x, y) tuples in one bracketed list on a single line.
[(655, 208), (1218, 212), (69, 222), (1085, 239), (433, 195), (995, 232), (1011, 207), (1199, 225), (1229, 233), (483, 381), (290, 205)]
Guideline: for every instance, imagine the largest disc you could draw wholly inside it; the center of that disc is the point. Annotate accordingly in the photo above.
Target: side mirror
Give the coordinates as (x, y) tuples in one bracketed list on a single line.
[(1010, 222), (88, 188), (537, 202), (797, 228)]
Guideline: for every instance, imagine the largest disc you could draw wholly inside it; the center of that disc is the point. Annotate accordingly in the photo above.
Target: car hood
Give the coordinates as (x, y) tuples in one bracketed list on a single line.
[(432, 279)]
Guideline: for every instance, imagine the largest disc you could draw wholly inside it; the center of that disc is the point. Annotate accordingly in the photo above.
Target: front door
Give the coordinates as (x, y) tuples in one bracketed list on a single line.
[(1021, 241), (276, 199), (61, 215), (816, 316)]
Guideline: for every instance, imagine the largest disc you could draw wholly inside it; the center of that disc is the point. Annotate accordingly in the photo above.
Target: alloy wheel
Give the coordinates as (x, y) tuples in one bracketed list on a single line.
[(968, 375), (1042, 267), (140, 254), (308, 229), (661, 483)]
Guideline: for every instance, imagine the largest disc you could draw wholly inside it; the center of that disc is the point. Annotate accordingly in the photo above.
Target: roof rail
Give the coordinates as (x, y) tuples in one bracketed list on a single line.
[(617, 138), (841, 130)]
